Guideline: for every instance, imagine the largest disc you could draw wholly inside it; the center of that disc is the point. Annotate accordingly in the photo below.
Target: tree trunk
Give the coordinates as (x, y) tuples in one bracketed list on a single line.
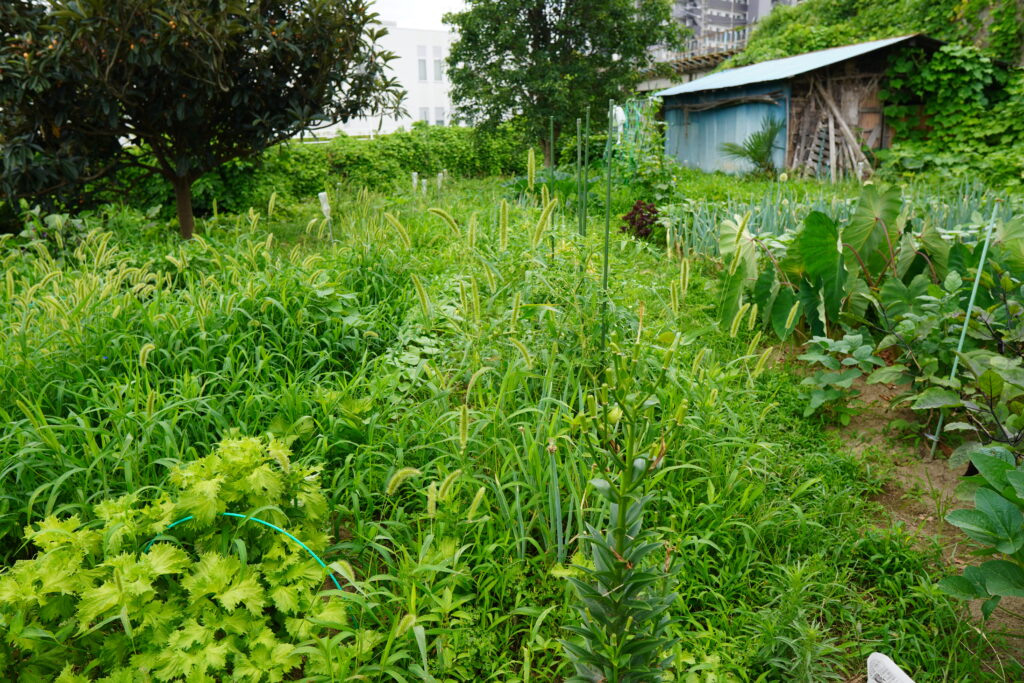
[(183, 200)]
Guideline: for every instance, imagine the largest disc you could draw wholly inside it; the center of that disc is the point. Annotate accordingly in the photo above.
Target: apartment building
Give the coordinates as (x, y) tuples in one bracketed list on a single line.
[(420, 68)]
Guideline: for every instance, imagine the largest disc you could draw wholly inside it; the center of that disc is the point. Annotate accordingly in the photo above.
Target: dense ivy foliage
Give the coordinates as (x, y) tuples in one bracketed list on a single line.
[(955, 111), (996, 25)]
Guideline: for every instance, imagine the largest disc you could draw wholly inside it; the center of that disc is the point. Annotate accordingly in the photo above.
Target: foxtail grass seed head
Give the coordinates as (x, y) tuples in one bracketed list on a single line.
[(472, 380), (432, 500), (524, 352), (399, 478), (681, 411), (503, 226), (409, 620), (737, 320), (445, 490), (463, 427), (144, 354), (762, 361), (545, 196), (471, 233), (475, 505), (684, 278), (446, 217), (697, 360), (271, 203), (403, 234), (517, 301), (713, 396), (542, 223), (752, 319), (791, 318), (531, 169), (752, 346), (673, 294), (421, 294), (475, 291)]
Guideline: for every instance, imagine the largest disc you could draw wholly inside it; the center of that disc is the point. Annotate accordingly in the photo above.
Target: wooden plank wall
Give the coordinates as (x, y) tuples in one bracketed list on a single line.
[(832, 113)]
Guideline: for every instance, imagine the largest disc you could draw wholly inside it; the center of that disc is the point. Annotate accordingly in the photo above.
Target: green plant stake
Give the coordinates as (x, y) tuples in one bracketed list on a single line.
[(579, 179), (967, 322), (264, 523), (607, 225), (551, 142)]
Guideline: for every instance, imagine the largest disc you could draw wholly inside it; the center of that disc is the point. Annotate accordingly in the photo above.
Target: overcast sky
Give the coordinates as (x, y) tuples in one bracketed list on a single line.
[(417, 13)]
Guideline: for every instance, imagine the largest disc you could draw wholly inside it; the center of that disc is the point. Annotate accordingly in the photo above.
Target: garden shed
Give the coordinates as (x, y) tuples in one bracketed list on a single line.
[(828, 100)]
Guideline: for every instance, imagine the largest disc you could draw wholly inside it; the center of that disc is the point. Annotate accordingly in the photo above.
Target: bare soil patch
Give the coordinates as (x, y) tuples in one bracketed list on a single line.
[(919, 493)]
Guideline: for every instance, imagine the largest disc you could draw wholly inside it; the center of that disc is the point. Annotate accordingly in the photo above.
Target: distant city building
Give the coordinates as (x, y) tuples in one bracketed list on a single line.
[(421, 69), (713, 16)]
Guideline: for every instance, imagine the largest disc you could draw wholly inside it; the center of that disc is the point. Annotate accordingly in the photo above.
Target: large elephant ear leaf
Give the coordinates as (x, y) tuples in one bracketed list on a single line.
[(872, 227), (819, 246), (1011, 236)]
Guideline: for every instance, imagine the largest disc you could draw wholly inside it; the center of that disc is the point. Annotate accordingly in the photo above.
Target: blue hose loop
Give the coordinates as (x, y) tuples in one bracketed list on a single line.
[(264, 523)]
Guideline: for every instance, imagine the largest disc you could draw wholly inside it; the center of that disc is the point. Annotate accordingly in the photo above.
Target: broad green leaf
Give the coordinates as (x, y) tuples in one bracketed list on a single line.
[(818, 242), (891, 374), (872, 228), (1004, 578), (962, 588), (782, 308), (936, 397), (990, 384), (1016, 480), (1006, 520), (992, 469)]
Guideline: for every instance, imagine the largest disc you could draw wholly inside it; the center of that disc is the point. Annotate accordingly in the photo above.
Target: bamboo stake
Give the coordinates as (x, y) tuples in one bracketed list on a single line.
[(830, 103), (831, 150), (607, 224)]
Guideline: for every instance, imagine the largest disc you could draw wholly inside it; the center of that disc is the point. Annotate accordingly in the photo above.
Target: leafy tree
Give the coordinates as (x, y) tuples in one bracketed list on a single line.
[(177, 87), (538, 59)]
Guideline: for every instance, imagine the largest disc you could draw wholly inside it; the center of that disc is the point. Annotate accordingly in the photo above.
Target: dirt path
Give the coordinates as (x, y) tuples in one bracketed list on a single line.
[(919, 493)]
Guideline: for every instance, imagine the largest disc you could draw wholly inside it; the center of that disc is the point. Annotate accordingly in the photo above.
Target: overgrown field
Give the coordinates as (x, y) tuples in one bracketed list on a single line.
[(421, 398)]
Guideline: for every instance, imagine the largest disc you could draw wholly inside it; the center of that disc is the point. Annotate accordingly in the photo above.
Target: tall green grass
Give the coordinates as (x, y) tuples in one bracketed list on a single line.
[(464, 350)]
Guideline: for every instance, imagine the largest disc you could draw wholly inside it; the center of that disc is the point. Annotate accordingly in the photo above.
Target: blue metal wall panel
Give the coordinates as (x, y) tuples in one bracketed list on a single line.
[(695, 137)]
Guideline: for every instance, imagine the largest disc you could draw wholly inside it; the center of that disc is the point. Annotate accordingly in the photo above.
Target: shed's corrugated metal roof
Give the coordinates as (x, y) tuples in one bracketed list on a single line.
[(778, 69)]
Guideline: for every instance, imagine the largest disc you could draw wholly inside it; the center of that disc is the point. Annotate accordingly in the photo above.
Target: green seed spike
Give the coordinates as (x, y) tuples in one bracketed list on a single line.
[(475, 291), (531, 169), (475, 505), (471, 233), (752, 346), (673, 290), (522, 350), (545, 196), (516, 302), (403, 234), (444, 492), (421, 294), (738, 320), (791, 318), (542, 223), (503, 226), (399, 477), (463, 428), (762, 361), (446, 217), (752, 319)]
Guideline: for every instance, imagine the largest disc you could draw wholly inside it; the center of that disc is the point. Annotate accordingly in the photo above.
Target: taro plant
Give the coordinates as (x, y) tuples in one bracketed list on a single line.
[(623, 636), (844, 361), (997, 523)]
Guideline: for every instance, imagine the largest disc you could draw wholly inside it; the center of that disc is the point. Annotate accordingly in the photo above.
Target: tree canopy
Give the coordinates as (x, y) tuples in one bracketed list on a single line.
[(176, 86), (537, 59)]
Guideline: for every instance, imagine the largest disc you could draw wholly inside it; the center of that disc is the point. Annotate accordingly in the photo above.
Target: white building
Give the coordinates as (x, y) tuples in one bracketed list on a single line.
[(420, 68)]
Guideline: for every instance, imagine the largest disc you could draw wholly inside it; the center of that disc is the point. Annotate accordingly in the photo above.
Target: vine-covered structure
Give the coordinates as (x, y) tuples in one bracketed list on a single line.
[(829, 101)]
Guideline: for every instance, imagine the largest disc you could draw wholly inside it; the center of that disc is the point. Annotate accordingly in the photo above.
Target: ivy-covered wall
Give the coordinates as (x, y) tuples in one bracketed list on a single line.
[(996, 26)]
